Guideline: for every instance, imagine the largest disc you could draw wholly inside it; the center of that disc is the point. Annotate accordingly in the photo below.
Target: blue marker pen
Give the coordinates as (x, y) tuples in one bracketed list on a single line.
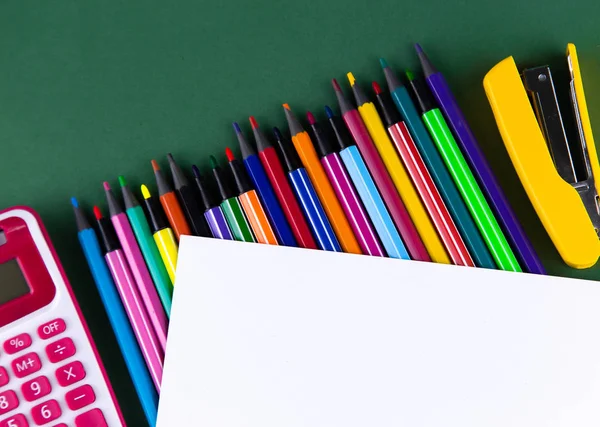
[(367, 190), (307, 196), (116, 315), (261, 182), (440, 174)]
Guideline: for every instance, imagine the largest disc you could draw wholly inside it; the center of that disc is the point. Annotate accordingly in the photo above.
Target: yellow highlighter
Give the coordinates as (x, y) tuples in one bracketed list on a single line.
[(398, 173), (559, 171), (163, 235)]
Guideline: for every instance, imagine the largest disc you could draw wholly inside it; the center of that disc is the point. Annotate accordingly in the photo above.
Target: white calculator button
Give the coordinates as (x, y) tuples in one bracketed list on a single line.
[(17, 420), (36, 388), (16, 344), (3, 376), (46, 412), (26, 365), (52, 328), (8, 401)]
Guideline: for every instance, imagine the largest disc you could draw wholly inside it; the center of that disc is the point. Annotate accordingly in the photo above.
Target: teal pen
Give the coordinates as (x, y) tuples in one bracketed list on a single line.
[(437, 168), (143, 235), (367, 190)]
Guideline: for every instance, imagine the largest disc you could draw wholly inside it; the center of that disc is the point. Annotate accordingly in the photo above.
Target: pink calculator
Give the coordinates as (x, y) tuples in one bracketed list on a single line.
[(50, 372)]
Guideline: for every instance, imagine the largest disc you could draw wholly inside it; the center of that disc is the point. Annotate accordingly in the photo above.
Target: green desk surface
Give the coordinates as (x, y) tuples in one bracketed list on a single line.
[(93, 89)]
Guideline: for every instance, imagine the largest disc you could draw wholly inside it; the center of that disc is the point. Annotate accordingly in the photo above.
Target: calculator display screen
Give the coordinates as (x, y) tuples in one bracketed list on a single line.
[(12, 282)]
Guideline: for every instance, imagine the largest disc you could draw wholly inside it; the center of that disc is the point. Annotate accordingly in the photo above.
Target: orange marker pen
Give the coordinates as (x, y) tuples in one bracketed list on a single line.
[(250, 202), (169, 202), (310, 160)]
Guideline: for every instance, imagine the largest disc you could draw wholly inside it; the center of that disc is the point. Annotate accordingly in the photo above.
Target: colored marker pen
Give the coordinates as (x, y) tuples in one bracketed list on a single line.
[(399, 175), (212, 211), (188, 200), (367, 190), (481, 169), (306, 151), (346, 194), (265, 192), (250, 202), (381, 177), (238, 224), (439, 173), (283, 191), (462, 175), (307, 196), (141, 229), (430, 196), (119, 268), (163, 235), (169, 202), (126, 340)]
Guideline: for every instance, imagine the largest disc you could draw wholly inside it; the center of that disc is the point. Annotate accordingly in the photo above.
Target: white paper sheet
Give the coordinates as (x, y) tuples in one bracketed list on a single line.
[(264, 336)]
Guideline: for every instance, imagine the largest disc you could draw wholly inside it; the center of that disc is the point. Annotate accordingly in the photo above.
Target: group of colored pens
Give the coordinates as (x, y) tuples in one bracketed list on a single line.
[(403, 177)]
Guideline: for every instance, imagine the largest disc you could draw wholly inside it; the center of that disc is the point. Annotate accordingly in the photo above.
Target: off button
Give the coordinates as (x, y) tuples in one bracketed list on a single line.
[(52, 328)]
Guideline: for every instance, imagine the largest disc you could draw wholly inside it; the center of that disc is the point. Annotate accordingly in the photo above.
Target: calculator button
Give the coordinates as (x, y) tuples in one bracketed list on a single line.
[(8, 401), (36, 388), (17, 420), (46, 412), (3, 376), (91, 418), (70, 374), (60, 350), (16, 344), (80, 397), (52, 328), (26, 365)]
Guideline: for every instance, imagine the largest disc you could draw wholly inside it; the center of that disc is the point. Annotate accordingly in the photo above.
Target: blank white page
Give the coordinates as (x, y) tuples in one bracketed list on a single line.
[(264, 336)]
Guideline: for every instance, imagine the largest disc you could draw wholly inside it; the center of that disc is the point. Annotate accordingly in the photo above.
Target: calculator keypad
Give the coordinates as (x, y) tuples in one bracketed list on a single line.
[(47, 407)]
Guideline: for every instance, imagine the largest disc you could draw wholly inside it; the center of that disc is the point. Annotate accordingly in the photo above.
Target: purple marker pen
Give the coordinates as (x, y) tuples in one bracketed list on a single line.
[(346, 193), (212, 211)]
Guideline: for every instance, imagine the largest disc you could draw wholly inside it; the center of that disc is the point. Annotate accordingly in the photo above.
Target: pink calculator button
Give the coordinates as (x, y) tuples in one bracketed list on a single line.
[(3, 376), (17, 420), (70, 374), (52, 328), (8, 401), (36, 388), (80, 397), (46, 412), (91, 418), (60, 350), (26, 365), (15, 344)]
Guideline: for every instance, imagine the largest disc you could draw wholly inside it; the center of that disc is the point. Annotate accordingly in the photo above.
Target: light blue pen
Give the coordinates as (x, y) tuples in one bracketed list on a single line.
[(367, 191), (116, 315)]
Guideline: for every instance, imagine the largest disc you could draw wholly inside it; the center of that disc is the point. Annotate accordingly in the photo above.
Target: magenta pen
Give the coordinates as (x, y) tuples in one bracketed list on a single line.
[(132, 302), (344, 189), (138, 267)]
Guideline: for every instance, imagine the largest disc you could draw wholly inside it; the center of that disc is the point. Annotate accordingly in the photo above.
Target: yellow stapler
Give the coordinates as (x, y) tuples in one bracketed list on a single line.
[(560, 174)]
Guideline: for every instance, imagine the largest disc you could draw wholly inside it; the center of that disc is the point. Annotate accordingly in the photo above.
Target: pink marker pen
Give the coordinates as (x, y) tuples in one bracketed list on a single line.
[(138, 267), (132, 302), (344, 190)]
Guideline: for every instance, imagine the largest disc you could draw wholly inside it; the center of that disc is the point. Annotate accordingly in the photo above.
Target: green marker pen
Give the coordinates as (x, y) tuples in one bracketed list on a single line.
[(240, 228), (462, 175), (141, 229)]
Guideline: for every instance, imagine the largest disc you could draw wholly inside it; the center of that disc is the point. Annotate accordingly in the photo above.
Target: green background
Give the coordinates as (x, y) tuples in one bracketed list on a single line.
[(93, 89)]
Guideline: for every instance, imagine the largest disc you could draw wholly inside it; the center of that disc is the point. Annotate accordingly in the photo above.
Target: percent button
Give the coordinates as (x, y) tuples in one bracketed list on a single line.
[(18, 343)]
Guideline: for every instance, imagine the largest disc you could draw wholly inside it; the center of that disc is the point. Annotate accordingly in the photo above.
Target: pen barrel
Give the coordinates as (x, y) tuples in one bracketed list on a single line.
[(353, 208), (168, 249), (374, 204), (271, 205), (386, 186), (286, 198), (218, 223), (432, 200), (315, 214), (238, 224), (146, 336), (175, 215), (257, 218), (151, 255), (193, 211)]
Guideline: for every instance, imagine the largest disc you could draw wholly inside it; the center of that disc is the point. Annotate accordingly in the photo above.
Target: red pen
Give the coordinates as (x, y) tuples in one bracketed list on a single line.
[(415, 166)]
